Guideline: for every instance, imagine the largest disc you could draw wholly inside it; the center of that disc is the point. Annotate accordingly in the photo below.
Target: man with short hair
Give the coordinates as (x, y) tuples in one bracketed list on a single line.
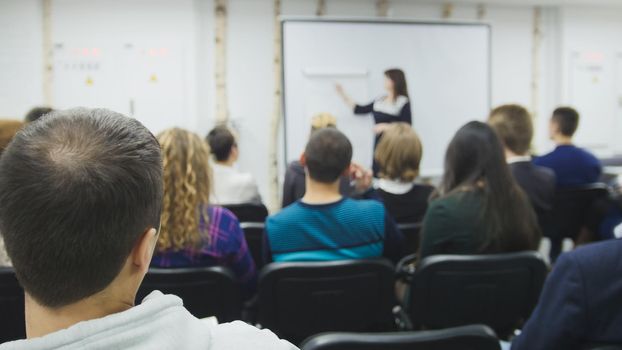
[(324, 225), (80, 203), (515, 129), (572, 165), (230, 185)]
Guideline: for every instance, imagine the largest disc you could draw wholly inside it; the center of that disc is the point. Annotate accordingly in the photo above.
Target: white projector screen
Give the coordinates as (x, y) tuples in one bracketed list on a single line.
[(447, 68)]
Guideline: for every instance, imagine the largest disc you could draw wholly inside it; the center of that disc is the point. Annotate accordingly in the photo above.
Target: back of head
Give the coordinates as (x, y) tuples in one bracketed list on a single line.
[(567, 119), (475, 162), (221, 140), (77, 189), (36, 113), (328, 154), (514, 126), (399, 153), (186, 189), (8, 129), (323, 120)]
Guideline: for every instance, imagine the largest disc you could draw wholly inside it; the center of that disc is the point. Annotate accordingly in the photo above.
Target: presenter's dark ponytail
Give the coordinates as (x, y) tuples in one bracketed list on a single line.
[(399, 81)]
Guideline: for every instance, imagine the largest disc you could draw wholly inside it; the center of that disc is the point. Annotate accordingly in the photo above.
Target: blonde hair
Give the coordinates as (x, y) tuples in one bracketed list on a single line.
[(323, 120), (513, 126), (185, 157), (399, 153)]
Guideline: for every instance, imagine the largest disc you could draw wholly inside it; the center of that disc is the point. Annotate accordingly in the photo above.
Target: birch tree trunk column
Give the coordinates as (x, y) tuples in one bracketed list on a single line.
[(220, 61), (275, 121), (47, 52)]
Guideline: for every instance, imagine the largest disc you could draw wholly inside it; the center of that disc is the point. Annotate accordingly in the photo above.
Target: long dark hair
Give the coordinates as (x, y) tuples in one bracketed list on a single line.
[(399, 81), (475, 162)]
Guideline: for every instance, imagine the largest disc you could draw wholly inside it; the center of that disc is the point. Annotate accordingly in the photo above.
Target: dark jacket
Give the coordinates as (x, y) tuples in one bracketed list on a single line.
[(409, 207), (539, 185), (581, 302)]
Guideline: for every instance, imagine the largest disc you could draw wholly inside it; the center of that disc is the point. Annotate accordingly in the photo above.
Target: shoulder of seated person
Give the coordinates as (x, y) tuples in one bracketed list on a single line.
[(237, 333), (224, 212), (602, 255)]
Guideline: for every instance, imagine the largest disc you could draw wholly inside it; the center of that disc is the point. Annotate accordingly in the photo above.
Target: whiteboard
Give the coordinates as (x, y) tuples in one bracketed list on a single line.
[(447, 68)]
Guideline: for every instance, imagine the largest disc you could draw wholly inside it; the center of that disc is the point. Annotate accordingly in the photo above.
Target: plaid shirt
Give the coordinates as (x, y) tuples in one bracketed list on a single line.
[(223, 245)]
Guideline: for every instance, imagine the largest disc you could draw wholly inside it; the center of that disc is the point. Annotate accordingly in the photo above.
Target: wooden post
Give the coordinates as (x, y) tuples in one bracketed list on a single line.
[(48, 53), (275, 120), (448, 10), (220, 61), (321, 8), (382, 8)]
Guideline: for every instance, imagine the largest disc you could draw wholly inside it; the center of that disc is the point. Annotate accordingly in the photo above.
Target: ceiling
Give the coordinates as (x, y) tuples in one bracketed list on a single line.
[(525, 2)]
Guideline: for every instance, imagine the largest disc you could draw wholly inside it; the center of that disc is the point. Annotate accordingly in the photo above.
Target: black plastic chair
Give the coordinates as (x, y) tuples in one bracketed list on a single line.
[(299, 299), (574, 209), (498, 290), (249, 212), (254, 234), (602, 347), (475, 337), (411, 237), (12, 325), (206, 291)]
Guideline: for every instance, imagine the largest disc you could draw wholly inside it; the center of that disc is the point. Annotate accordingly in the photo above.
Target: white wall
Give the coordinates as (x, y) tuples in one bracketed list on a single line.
[(21, 57), (189, 24)]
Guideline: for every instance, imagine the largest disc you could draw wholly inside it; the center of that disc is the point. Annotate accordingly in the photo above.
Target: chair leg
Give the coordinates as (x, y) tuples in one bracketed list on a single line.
[(402, 321)]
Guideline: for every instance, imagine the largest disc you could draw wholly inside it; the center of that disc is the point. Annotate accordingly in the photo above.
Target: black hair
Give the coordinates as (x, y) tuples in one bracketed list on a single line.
[(475, 161), (568, 120), (77, 190), (36, 113), (221, 142), (328, 154)]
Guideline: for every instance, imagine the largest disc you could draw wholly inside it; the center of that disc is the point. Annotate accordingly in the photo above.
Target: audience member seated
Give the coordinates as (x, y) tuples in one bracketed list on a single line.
[(36, 113), (572, 165), (398, 155), (230, 185), (324, 225), (80, 203), (8, 129), (515, 130), (192, 232), (478, 207), (294, 183), (580, 302)]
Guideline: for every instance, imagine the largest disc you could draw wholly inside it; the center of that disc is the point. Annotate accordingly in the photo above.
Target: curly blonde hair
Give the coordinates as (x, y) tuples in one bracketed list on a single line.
[(185, 158)]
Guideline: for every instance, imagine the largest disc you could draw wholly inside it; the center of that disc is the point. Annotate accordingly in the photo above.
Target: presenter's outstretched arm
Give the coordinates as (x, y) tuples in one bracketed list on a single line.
[(345, 96)]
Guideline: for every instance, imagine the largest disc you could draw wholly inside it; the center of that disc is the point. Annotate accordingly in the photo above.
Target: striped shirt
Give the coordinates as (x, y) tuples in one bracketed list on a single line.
[(223, 245), (346, 229)]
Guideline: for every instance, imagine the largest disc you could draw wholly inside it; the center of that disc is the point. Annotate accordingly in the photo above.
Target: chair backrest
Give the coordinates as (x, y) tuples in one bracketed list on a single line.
[(12, 325), (411, 237), (206, 291), (474, 337), (573, 207), (254, 234), (299, 299), (498, 290), (249, 212)]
